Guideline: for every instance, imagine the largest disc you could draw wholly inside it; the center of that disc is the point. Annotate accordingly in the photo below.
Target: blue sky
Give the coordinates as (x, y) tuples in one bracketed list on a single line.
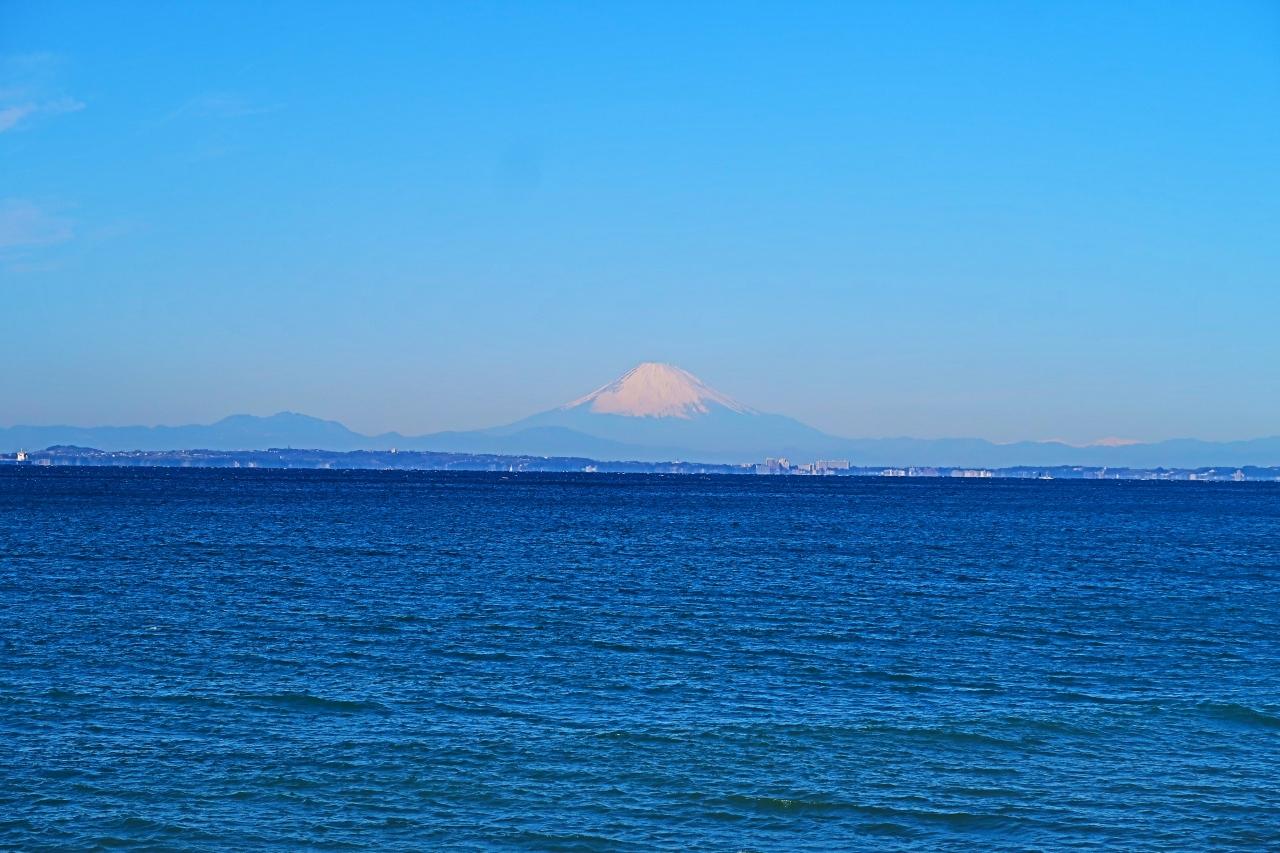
[(1007, 220)]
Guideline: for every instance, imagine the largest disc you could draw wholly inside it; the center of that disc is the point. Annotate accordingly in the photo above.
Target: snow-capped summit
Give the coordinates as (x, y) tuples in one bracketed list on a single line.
[(657, 412), (656, 390)]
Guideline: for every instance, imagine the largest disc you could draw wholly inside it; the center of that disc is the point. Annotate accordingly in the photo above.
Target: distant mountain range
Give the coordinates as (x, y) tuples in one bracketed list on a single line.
[(655, 412)]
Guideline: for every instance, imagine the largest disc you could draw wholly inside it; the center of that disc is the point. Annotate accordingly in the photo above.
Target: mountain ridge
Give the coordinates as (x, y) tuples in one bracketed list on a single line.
[(655, 412), (263, 432)]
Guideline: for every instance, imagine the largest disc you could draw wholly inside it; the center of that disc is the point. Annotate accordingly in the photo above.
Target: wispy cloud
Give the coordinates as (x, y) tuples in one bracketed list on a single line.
[(28, 233), (38, 237), (219, 105), (25, 225), (13, 116), (212, 125), (29, 91)]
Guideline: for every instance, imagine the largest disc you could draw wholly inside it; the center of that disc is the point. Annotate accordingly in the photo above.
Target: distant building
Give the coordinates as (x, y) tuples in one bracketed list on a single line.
[(894, 472), (970, 472)]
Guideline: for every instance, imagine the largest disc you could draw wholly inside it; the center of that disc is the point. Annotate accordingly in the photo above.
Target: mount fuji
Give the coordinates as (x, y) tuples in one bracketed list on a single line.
[(653, 412)]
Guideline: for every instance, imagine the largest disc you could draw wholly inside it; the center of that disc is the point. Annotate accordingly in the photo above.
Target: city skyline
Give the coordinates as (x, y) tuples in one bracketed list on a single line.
[(1008, 222)]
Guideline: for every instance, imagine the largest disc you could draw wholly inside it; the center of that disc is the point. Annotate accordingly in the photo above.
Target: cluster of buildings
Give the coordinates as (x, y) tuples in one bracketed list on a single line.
[(782, 465), (934, 472)]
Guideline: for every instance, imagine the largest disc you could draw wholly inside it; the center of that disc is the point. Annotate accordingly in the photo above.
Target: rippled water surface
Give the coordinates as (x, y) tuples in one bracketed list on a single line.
[(251, 660)]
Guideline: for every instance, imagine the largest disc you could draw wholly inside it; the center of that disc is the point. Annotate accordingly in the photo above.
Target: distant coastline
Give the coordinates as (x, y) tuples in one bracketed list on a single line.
[(722, 439), (418, 460)]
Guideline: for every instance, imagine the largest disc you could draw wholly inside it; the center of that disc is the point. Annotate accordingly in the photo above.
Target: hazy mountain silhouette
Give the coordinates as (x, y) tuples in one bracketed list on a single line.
[(654, 412), (237, 432)]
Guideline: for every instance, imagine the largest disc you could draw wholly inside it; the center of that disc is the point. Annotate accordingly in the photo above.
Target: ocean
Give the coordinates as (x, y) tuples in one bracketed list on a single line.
[(284, 660)]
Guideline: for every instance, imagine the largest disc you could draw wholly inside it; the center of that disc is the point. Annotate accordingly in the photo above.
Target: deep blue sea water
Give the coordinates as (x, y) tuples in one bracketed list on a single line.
[(214, 660)]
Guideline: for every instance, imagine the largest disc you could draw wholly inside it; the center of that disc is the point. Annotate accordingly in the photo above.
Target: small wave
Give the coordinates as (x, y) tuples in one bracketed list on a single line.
[(638, 736), (467, 654), (790, 804), (1048, 726), (958, 736), (659, 649), (311, 702), (892, 677), (408, 617), (528, 838), (894, 817), (179, 699), (51, 802), (894, 830), (1077, 696), (1236, 713), (611, 646)]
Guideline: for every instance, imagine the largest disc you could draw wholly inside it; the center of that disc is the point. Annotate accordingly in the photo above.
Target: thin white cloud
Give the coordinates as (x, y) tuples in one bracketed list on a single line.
[(26, 225), (219, 105), (29, 91), (14, 116)]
